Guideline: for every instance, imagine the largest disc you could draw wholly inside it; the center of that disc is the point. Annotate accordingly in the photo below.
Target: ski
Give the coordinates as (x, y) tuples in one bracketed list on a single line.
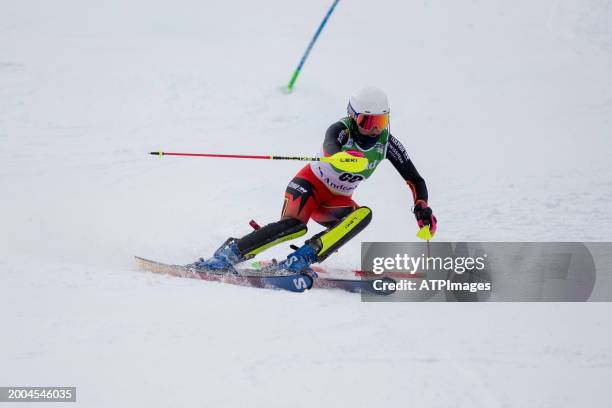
[(293, 283), (259, 278)]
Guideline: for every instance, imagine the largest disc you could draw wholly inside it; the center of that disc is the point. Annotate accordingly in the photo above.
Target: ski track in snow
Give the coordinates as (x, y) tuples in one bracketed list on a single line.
[(505, 109)]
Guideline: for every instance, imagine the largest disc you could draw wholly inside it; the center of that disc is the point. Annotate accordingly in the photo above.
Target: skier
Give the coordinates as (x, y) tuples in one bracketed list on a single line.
[(322, 192)]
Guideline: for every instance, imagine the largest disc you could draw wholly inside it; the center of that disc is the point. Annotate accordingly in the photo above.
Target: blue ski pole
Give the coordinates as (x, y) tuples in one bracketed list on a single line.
[(312, 42)]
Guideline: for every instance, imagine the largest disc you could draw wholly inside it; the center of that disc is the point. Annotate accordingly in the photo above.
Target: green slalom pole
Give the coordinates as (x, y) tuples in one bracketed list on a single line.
[(296, 73)]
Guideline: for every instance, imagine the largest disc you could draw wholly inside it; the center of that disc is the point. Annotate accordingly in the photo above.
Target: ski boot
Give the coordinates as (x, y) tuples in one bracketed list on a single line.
[(223, 260), (299, 261)]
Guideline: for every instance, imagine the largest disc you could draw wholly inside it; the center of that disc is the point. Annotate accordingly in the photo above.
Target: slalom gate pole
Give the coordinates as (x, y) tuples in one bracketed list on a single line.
[(309, 48)]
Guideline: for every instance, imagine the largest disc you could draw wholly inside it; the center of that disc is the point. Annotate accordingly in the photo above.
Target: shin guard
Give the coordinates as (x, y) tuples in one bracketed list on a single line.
[(329, 241), (270, 235)]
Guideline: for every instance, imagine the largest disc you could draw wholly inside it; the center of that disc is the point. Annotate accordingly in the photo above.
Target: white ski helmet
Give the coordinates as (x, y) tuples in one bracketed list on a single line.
[(369, 108), (369, 100)]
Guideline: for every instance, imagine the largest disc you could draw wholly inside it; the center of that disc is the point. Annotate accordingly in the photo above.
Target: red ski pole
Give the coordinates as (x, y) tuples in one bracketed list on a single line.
[(341, 160), (235, 156)]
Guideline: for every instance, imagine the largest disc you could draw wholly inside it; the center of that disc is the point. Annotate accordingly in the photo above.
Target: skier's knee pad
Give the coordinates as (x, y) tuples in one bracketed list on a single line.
[(329, 241), (270, 235)]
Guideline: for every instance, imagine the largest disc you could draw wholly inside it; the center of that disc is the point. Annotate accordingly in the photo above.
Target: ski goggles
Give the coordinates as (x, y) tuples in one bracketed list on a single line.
[(370, 122)]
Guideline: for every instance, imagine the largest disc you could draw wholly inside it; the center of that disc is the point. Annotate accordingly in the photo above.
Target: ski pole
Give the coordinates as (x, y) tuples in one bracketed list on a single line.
[(309, 48), (342, 160)]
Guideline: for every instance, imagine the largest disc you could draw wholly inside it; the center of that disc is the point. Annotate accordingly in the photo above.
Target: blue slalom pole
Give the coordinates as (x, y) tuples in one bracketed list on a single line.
[(312, 42)]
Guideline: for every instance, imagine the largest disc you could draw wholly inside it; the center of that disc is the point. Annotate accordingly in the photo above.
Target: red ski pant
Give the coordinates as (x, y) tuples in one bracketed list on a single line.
[(307, 197)]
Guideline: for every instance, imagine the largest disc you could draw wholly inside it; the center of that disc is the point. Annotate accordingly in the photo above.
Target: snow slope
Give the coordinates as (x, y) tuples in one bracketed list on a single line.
[(505, 107)]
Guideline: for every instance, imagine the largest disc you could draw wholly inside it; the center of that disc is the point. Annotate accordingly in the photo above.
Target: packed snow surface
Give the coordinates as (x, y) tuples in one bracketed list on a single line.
[(505, 108)]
